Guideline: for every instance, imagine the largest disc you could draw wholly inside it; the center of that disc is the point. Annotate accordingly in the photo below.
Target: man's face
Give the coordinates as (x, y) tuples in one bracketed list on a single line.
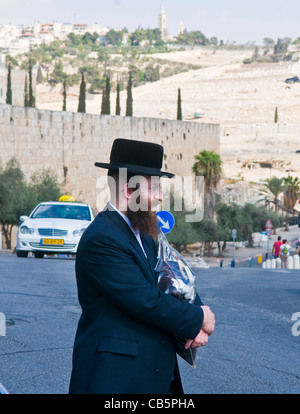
[(144, 197), (148, 194)]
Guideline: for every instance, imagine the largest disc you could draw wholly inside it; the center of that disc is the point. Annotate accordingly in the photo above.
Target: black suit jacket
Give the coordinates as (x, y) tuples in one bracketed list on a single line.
[(124, 339)]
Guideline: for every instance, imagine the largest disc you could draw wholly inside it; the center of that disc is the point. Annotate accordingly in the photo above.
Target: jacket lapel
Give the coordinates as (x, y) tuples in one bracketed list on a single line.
[(150, 250)]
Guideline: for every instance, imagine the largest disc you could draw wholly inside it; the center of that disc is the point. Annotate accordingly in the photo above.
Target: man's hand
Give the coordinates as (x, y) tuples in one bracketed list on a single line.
[(207, 329), (200, 340), (209, 320)]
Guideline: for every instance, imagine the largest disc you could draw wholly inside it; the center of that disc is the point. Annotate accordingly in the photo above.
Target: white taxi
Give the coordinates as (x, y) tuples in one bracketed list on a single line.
[(53, 227)]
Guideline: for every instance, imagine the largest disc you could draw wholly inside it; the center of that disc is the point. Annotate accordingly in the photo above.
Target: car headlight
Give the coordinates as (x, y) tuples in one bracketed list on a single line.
[(26, 230), (79, 233)]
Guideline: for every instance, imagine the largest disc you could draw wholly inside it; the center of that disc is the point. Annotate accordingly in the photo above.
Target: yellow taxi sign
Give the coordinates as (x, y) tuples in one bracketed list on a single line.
[(66, 198)]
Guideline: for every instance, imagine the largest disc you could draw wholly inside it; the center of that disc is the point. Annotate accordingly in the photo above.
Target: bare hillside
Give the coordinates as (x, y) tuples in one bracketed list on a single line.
[(223, 91)]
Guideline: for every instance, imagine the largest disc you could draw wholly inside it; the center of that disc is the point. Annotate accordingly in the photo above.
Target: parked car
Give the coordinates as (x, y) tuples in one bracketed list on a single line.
[(53, 227), (294, 79)]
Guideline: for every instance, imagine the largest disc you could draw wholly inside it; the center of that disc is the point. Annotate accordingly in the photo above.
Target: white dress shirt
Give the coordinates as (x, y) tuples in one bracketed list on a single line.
[(135, 232)]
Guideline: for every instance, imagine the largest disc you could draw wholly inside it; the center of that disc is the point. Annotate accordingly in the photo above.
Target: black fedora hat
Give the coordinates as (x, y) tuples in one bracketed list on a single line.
[(139, 157)]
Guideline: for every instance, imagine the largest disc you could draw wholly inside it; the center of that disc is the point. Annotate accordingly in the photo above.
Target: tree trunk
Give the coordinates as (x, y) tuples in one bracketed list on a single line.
[(250, 242), (7, 230), (209, 204), (219, 249), (287, 222)]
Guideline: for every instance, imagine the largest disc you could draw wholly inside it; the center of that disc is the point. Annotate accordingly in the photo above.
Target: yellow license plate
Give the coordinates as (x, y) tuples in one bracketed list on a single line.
[(52, 241)]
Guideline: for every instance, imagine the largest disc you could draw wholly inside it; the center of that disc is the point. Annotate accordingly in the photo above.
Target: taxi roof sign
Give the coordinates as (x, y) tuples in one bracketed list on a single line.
[(66, 198)]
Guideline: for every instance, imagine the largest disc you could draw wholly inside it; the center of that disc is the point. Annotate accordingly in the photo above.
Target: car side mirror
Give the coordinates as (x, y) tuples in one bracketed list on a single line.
[(23, 218)]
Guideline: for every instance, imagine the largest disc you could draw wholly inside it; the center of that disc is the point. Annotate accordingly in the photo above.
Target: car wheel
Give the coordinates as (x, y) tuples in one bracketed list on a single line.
[(39, 255), (21, 253)]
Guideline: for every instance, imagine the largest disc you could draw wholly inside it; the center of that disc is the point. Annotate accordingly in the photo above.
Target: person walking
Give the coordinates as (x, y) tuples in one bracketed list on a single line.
[(284, 253), (124, 342), (276, 247)]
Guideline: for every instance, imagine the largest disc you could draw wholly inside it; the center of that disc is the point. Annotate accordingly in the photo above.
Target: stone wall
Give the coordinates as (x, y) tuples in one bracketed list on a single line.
[(69, 143)]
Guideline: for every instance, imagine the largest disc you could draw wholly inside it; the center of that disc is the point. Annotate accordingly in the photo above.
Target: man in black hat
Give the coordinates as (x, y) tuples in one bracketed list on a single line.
[(124, 340)]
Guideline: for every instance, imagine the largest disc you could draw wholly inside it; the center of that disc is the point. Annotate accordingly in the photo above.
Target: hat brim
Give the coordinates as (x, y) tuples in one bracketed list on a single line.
[(136, 169)]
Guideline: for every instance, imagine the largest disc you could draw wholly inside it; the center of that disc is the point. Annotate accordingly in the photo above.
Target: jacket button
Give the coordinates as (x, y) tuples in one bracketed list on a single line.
[(161, 341), (155, 369)]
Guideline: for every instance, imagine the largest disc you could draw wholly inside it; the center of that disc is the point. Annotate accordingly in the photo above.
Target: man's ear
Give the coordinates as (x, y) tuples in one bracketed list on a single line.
[(127, 191)]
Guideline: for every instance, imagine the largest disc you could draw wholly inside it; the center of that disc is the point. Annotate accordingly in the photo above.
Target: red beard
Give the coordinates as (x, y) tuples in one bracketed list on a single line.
[(144, 221)]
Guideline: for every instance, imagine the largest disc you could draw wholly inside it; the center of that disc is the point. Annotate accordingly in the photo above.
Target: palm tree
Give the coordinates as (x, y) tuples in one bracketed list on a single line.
[(274, 186), (291, 194), (209, 165)]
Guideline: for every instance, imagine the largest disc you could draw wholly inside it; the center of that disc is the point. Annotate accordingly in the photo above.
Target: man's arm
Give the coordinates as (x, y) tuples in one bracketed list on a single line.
[(114, 273)]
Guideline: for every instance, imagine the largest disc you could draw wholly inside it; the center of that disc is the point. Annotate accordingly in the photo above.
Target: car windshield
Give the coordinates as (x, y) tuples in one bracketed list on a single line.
[(62, 212)]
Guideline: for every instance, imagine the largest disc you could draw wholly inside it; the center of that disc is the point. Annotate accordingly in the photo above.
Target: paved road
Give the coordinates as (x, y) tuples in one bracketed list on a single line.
[(252, 349)]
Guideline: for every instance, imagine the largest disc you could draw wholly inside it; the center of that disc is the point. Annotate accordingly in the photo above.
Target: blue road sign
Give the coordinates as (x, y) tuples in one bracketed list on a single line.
[(166, 221)]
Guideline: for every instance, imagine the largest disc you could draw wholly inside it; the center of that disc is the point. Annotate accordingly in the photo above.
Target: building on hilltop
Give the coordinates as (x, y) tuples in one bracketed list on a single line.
[(19, 40), (162, 22)]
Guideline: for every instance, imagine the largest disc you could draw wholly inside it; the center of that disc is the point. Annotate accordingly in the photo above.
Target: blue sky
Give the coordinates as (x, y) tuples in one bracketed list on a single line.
[(233, 20)]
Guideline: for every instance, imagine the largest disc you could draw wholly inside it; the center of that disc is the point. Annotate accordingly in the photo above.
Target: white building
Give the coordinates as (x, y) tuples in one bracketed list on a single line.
[(8, 34), (18, 40), (79, 28)]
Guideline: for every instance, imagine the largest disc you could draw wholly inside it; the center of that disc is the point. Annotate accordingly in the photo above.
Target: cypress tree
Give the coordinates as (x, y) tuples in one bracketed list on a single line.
[(31, 98), (39, 76), (81, 101), (26, 92), (276, 115), (103, 103), (8, 89), (64, 108), (107, 95), (118, 107), (129, 102), (179, 110), (105, 107)]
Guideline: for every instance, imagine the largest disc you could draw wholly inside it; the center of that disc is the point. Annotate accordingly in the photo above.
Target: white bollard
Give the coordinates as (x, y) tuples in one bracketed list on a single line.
[(273, 263), (289, 263), (264, 265), (278, 263), (296, 261), (268, 264)]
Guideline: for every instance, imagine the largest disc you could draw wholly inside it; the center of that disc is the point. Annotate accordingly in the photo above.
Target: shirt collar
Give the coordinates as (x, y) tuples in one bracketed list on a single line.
[(136, 232)]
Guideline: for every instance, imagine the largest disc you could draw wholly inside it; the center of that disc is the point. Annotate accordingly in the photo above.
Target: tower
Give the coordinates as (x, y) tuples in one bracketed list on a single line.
[(181, 28), (162, 22)]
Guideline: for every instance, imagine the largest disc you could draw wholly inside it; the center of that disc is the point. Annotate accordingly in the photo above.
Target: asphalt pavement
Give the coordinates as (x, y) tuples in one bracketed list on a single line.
[(255, 347)]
